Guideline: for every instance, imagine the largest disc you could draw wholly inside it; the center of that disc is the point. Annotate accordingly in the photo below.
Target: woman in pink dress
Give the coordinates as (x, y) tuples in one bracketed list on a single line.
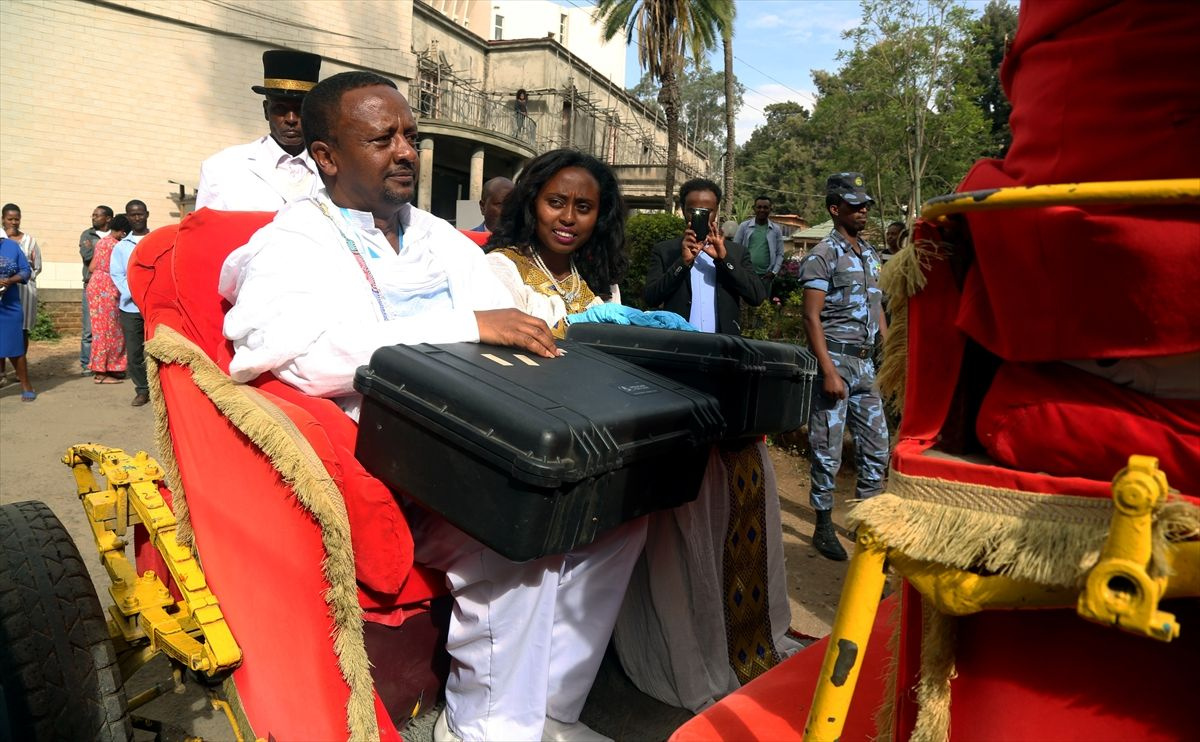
[(108, 342)]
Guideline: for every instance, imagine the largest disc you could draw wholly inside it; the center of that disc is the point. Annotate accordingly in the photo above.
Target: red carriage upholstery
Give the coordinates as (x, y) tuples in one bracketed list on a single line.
[(1041, 285), (261, 550)]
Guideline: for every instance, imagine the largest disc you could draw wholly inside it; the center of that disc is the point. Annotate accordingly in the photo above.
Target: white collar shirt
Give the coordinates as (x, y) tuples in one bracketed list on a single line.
[(304, 309), (258, 176)]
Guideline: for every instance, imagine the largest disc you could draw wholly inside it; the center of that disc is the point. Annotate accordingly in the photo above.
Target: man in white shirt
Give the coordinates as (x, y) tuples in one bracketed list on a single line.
[(275, 169), (133, 327), (357, 267)]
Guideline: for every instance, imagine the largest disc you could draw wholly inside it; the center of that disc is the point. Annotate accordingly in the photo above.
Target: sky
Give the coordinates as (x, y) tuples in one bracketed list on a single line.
[(776, 45)]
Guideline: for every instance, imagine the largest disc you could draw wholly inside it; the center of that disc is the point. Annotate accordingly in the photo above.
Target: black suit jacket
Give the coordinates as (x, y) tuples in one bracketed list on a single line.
[(669, 283)]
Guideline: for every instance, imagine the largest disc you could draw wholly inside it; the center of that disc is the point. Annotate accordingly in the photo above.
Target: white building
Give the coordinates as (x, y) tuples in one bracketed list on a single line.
[(84, 123), (569, 25)]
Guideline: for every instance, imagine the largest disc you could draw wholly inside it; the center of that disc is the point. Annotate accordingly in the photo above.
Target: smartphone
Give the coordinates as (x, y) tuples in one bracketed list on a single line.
[(700, 223)]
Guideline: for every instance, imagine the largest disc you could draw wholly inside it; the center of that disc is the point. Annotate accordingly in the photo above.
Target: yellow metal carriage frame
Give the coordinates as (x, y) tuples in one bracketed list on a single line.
[(1118, 591)]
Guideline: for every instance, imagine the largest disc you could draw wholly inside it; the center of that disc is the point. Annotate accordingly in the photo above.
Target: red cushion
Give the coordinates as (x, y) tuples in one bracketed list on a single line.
[(479, 238), (1063, 421), (1068, 282), (1048, 675)]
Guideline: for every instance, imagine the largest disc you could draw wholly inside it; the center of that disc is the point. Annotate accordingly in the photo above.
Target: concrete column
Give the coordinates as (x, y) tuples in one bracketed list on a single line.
[(425, 181), (476, 187)]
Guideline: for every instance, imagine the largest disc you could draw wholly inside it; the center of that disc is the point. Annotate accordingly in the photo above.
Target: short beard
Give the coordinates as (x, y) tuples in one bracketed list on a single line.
[(399, 199)]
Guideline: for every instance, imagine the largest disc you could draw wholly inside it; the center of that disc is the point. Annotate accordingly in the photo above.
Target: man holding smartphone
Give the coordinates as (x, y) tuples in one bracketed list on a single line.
[(701, 276)]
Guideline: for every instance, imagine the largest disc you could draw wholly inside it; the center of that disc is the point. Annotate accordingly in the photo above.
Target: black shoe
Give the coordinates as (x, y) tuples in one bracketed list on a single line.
[(825, 538), (143, 398)]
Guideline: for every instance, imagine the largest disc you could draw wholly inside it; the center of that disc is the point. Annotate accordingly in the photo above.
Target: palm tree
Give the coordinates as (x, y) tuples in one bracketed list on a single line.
[(730, 141), (667, 31)]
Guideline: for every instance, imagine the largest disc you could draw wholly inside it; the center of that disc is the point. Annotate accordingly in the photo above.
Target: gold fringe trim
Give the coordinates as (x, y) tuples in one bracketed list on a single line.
[(902, 277), (166, 457), (885, 715), (1049, 539), (938, 637), (293, 457)]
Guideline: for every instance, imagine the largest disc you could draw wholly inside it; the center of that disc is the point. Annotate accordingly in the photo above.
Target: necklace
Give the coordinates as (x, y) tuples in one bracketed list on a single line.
[(577, 282), (362, 264)]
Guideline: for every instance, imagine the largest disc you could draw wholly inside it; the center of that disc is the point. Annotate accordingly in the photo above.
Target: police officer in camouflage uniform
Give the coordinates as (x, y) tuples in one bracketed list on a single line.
[(843, 316)]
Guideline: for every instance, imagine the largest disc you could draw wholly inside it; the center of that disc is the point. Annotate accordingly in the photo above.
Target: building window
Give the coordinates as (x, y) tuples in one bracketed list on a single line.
[(498, 31), (429, 88), (562, 29)]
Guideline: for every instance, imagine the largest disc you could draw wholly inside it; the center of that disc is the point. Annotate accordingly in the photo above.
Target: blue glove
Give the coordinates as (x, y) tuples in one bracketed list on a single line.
[(617, 314), (613, 314), (670, 320)]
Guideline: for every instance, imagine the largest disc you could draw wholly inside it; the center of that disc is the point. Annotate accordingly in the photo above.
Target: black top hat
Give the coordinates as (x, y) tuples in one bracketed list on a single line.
[(288, 74), (850, 186)]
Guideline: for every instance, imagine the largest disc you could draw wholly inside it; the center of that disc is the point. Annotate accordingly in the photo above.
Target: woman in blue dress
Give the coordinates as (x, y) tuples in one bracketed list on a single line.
[(14, 270)]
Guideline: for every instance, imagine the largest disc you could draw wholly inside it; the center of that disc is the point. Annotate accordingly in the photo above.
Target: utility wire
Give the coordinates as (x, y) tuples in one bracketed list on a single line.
[(773, 79)]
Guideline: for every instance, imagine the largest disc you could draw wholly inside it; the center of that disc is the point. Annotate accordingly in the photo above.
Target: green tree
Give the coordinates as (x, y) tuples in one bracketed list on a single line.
[(701, 104), (732, 93), (668, 31), (643, 232), (992, 34), (782, 160), (902, 109)]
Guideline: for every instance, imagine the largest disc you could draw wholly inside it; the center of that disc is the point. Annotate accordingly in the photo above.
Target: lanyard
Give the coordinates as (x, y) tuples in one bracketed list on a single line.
[(362, 263)]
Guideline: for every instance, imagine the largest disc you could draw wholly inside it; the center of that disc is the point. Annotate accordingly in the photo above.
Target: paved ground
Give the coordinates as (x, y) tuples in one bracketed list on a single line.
[(70, 409)]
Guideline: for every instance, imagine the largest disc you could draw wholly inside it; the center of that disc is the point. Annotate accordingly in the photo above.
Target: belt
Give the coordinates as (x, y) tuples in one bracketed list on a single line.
[(849, 349)]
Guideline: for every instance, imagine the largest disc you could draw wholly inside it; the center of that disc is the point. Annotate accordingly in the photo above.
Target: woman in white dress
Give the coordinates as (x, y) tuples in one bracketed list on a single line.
[(11, 215), (707, 608)]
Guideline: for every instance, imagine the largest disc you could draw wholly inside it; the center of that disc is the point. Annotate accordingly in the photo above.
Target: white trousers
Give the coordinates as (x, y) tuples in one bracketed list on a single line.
[(527, 639)]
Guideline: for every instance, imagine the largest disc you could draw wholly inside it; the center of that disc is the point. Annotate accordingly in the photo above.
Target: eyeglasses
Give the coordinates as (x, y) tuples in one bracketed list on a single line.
[(858, 207)]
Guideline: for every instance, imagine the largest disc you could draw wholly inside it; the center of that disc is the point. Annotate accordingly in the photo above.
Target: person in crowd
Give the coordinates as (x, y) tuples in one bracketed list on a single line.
[(11, 216), (893, 240), (703, 281), (108, 361), (491, 201), (560, 234), (274, 169), (729, 228), (525, 639), (88, 239), (691, 628), (842, 317), (132, 325), (14, 271), (521, 110), (763, 239)]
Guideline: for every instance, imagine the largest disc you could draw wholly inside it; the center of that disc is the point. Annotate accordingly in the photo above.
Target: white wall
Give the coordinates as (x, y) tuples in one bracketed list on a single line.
[(534, 19), (101, 103)]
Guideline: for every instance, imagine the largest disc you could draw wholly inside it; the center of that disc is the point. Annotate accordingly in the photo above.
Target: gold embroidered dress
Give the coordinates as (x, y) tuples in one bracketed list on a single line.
[(536, 293)]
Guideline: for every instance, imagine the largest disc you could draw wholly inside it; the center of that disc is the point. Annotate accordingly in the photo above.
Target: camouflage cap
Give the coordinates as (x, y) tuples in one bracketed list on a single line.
[(850, 187)]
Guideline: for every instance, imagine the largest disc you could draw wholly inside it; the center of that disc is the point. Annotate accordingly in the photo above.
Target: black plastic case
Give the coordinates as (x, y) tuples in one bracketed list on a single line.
[(763, 387), (531, 456)]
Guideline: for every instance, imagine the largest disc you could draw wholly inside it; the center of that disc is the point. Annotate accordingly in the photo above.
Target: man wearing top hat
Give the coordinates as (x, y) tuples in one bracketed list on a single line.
[(275, 169), (843, 317)]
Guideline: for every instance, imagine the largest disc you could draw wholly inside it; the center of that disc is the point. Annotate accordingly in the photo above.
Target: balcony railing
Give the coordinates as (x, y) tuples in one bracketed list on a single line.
[(472, 109)]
